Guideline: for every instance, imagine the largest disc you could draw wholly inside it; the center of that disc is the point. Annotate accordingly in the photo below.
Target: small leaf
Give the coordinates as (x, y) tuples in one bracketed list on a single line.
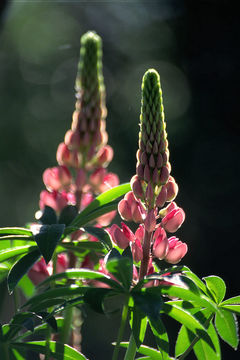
[(68, 214), (15, 231), (161, 337), (195, 279), (232, 308), (20, 268), (94, 297), (216, 286), (227, 328), (101, 234), (231, 301), (204, 351), (57, 350), (48, 238), (18, 250), (48, 216)]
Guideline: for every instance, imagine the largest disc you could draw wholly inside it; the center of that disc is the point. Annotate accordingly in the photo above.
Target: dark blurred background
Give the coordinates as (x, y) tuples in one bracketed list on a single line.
[(194, 45)]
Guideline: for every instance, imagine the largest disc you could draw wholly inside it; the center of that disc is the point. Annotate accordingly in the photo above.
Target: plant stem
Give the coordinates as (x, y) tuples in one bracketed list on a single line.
[(131, 350), (5, 347), (146, 254), (65, 333), (121, 329), (195, 340)]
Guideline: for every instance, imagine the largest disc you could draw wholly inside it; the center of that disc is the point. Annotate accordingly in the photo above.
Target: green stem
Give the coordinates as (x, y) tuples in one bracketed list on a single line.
[(121, 329), (66, 329), (195, 340), (131, 350)]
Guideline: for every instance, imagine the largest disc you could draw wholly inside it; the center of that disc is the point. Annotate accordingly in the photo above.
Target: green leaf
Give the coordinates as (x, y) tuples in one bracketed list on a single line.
[(185, 318), (204, 351), (83, 274), (81, 246), (26, 286), (68, 214), (48, 217), (15, 231), (41, 330), (94, 297), (138, 323), (18, 322), (188, 273), (101, 205), (216, 286), (4, 269), (20, 268), (43, 305), (231, 301), (161, 337), (101, 234), (122, 269), (232, 308), (57, 350), (145, 350), (67, 291), (48, 238), (227, 328), (18, 250), (16, 355), (149, 300)]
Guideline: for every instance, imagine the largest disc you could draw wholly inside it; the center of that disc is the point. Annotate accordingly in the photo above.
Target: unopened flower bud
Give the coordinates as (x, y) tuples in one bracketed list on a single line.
[(67, 157), (124, 210), (72, 140), (172, 221), (150, 221), (168, 209), (118, 236), (160, 246), (137, 214), (172, 189), (149, 195), (137, 251), (164, 175), (57, 178), (162, 197), (136, 186), (177, 250), (105, 155), (55, 200)]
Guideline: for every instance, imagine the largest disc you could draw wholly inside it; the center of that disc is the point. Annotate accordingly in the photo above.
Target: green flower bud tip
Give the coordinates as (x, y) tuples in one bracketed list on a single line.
[(153, 152), (90, 64)]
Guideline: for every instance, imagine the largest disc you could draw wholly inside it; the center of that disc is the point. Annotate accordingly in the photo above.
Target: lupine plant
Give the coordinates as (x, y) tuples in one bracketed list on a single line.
[(70, 256)]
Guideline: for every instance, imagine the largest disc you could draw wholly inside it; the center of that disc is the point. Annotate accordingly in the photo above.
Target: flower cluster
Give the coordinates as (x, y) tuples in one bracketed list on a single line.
[(152, 187), (84, 155)]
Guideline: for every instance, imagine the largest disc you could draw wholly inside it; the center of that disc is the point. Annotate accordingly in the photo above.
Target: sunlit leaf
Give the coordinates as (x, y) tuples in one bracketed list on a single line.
[(227, 327), (138, 323), (145, 350), (232, 308), (15, 231), (83, 274), (161, 337), (16, 251), (101, 205), (216, 286), (20, 268), (234, 300), (122, 269)]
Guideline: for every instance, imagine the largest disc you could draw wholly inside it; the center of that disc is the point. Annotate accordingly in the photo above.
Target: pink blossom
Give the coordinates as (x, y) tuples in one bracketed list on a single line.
[(105, 155), (137, 251), (106, 219), (56, 200), (173, 220), (40, 270), (160, 246), (172, 189), (150, 221), (72, 140), (67, 157), (177, 250), (57, 178), (118, 236), (162, 197), (136, 185), (131, 209)]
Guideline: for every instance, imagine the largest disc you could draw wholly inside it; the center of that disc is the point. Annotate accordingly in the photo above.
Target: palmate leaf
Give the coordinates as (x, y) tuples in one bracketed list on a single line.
[(94, 297), (41, 330), (101, 205), (84, 274), (232, 301), (121, 267), (227, 327), (48, 238), (20, 268), (57, 350), (138, 323), (161, 337), (145, 350), (233, 308)]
